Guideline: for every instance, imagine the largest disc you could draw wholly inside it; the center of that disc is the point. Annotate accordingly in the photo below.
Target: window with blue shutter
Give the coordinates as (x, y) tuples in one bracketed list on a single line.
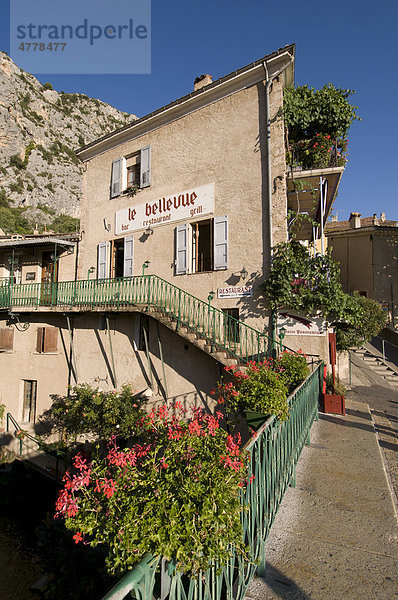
[(182, 249), (145, 178), (102, 260), (128, 256), (220, 243)]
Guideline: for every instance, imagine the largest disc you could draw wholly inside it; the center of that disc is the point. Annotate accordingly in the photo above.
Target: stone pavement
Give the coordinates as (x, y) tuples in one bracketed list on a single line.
[(335, 536)]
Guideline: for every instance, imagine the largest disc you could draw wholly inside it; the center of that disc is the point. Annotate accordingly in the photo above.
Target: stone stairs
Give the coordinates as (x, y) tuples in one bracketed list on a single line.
[(387, 370), (196, 338)]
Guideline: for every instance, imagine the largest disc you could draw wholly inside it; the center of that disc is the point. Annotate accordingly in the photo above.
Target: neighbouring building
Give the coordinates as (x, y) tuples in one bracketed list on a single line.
[(180, 211), (367, 250)]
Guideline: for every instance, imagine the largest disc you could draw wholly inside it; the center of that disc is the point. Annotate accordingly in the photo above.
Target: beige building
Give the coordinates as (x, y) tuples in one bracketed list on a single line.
[(367, 250), (180, 211)]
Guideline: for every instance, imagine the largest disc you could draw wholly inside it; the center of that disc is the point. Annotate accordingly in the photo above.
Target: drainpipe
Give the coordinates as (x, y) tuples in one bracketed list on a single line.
[(268, 83)]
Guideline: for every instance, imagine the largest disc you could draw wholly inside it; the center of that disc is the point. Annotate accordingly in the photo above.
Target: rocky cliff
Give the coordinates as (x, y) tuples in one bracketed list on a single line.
[(40, 176)]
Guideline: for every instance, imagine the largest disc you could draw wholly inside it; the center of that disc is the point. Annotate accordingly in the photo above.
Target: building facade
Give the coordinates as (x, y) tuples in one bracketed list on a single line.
[(180, 211), (367, 251)]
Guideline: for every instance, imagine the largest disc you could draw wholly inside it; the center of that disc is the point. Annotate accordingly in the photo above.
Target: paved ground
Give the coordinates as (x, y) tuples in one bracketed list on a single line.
[(336, 534)]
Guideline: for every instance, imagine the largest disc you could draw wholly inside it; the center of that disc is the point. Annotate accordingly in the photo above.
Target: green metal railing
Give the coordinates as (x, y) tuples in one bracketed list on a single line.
[(220, 330), (274, 449), (25, 436)]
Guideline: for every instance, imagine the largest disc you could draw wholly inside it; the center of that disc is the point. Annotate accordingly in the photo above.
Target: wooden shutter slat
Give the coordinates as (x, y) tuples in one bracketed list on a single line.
[(6, 338), (39, 340), (50, 339)]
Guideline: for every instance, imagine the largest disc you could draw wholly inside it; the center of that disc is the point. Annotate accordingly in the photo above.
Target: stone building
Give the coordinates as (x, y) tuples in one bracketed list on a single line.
[(367, 250), (180, 211)]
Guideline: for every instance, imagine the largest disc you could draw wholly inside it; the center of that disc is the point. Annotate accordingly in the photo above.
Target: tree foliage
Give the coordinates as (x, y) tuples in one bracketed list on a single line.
[(311, 284)]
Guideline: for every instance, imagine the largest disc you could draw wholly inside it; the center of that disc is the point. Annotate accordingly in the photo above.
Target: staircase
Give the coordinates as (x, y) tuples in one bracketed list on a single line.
[(229, 340), (375, 362)]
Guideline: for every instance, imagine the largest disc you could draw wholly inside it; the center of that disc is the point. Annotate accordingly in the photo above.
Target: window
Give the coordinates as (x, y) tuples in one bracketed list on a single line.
[(46, 339), (115, 258), (231, 325), (6, 338), (130, 171), (202, 246), (29, 401)]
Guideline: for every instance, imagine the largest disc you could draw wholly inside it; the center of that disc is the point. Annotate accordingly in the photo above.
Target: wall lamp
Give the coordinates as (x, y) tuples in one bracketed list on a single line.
[(107, 225), (282, 333), (91, 270), (149, 230), (243, 273), (145, 265), (210, 297)]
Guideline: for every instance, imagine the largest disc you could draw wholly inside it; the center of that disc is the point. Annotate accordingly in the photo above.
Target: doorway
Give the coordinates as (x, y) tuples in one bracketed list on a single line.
[(49, 276), (29, 401)]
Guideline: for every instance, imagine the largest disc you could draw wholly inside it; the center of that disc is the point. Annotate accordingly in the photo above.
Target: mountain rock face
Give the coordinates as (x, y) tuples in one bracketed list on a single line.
[(40, 176)]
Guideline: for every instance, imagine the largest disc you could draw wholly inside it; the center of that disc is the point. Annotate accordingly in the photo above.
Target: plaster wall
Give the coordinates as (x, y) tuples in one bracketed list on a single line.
[(354, 253), (223, 143)]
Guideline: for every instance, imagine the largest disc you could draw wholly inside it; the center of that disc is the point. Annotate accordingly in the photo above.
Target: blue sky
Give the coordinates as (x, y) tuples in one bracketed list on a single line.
[(350, 43)]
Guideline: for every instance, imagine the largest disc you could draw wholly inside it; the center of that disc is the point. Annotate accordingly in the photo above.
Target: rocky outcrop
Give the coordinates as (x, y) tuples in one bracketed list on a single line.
[(39, 130)]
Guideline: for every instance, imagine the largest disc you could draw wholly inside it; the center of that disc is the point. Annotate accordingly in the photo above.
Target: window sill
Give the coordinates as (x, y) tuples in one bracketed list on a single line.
[(45, 353)]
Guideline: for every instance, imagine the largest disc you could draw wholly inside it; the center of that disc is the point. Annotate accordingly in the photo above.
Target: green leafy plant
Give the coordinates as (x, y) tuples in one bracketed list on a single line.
[(317, 124), (2, 411), (367, 320), (261, 389), (292, 367), (92, 411), (47, 86), (305, 283), (338, 388), (175, 492)]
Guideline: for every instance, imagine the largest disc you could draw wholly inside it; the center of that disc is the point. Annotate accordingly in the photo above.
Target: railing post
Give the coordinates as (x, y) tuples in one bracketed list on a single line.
[(179, 310)]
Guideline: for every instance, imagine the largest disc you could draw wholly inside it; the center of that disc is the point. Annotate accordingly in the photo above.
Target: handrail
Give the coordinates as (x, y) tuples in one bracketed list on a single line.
[(220, 330), (274, 451), (26, 434)]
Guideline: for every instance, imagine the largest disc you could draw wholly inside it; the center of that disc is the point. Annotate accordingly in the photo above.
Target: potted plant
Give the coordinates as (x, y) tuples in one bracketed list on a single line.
[(334, 397)]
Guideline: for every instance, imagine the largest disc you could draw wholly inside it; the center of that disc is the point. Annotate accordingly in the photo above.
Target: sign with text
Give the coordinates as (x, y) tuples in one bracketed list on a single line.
[(235, 291), (185, 205), (296, 325)]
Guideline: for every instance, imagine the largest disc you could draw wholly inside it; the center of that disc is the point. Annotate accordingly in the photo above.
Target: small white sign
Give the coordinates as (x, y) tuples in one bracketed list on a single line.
[(185, 205), (297, 325), (235, 292)]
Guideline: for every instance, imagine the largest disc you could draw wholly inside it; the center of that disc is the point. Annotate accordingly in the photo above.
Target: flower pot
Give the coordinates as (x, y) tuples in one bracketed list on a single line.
[(255, 419), (333, 403)]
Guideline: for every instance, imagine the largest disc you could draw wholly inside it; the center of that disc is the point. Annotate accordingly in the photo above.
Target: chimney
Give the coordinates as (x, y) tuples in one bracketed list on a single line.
[(334, 219), (202, 81), (355, 220), (375, 219), (382, 217)]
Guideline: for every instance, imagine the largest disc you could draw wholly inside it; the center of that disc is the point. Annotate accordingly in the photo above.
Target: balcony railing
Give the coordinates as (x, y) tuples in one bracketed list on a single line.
[(275, 450), (219, 329)]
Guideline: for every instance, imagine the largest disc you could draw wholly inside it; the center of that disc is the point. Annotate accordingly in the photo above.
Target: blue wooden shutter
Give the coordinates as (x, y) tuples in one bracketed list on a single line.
[(182, 249), (128, 256), (102, 264), (220, 243), (145, 178), (116, 181)]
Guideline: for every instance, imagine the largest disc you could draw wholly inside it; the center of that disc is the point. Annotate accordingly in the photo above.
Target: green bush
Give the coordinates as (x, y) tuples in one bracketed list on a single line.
[(260, 389), (367, 319), (293, 369), (65, 224), (47, 86), (17, 162), (12, 221), (175, 492), (4, 201), (92, 411)]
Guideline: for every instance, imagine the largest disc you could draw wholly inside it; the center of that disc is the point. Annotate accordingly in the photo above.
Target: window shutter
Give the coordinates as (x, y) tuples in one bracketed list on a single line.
[(6, 338), (145, 178), (119, 174), (181, 249), (220, 243), (50, 339), (39, 340), (128, 256), (102, 264)]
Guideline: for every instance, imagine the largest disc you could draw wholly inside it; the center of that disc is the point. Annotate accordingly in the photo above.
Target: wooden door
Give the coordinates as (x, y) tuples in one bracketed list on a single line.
[(49, 276)]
